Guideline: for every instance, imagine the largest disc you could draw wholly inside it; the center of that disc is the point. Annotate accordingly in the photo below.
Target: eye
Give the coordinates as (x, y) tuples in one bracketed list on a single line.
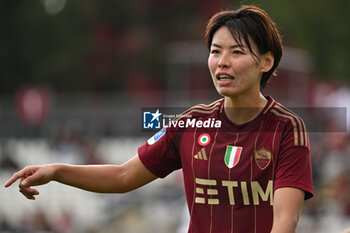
[(214, 51), (237, 52)]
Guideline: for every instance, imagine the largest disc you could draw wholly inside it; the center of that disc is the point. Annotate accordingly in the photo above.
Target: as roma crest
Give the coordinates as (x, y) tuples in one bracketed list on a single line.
[(263, 158)]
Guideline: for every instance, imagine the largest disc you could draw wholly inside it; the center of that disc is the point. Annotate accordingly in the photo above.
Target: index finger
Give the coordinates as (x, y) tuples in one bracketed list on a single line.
[(15, 177)]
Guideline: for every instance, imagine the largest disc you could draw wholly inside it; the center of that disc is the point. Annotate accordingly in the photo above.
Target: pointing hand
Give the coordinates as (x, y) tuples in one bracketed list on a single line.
[(31, 176)]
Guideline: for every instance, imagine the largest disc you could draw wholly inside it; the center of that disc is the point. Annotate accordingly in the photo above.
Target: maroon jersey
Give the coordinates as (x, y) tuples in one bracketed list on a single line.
[(231, 171)]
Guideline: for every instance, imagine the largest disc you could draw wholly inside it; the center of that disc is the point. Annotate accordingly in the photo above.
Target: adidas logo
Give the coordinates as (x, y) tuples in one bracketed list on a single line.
[(201, 155)]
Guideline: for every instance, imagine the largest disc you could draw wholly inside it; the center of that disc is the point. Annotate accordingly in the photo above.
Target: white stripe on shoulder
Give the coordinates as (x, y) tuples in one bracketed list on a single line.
[(301, 124), (299, 130), (200, 108), (269, 107), (209, 105)]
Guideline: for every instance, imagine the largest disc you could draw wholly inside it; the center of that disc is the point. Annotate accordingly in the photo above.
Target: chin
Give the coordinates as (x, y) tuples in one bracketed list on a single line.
[(227, 92)]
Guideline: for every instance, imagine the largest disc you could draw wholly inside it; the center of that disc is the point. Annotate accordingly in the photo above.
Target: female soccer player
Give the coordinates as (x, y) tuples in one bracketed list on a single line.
[(248, 173)]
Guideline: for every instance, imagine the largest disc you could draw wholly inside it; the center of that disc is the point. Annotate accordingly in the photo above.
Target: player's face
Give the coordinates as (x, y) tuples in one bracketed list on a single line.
[(234, 69)]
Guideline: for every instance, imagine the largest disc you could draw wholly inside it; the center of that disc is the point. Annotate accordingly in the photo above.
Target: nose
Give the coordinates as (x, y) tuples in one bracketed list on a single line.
[(223, 61)]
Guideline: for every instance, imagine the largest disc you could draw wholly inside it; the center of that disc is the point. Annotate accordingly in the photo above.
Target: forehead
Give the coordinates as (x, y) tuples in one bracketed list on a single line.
[(224, 36), (229, 38)]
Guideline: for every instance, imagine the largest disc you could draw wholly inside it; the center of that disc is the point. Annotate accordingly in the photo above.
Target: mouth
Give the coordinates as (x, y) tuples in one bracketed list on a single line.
[(224, 77)]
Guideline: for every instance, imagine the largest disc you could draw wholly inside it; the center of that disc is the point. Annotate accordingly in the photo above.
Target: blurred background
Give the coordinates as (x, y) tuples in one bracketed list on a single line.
[(74, 76)]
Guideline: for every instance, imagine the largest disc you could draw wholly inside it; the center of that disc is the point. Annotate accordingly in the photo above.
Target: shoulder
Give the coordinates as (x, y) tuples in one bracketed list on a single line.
[(202, 110), (282, 113), (293, 123)]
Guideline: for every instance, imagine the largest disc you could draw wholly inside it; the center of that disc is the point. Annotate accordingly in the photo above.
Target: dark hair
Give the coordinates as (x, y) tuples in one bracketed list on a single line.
[(250, 24)]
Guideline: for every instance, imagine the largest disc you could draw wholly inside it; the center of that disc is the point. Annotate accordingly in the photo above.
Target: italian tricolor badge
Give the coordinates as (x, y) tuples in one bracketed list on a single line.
[(232, 155)]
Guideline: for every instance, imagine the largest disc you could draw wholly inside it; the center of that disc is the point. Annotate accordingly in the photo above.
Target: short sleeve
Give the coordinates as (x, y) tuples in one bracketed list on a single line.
[(293, 167), (159, 153)]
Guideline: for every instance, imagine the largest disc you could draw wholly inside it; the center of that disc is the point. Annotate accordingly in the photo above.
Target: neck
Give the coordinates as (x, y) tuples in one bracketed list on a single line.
[(241, 110)]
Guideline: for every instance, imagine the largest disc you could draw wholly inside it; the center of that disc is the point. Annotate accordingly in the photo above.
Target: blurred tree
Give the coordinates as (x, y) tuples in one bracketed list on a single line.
[(41, 48), (94, 45), (321, 27)]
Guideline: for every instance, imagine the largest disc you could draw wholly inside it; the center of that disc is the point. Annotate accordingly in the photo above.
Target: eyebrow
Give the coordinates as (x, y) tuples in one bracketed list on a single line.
[(231, 47)]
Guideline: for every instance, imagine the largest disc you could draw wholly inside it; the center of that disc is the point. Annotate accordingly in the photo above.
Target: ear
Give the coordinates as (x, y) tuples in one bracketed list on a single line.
[(267, 61)]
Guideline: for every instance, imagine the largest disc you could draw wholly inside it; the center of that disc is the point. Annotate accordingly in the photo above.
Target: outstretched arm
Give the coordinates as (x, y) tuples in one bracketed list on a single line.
[(96, 178), (288, 203)]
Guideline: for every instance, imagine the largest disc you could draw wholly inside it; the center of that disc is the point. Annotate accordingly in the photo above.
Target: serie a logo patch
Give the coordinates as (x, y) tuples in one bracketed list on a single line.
[(156, 137)]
